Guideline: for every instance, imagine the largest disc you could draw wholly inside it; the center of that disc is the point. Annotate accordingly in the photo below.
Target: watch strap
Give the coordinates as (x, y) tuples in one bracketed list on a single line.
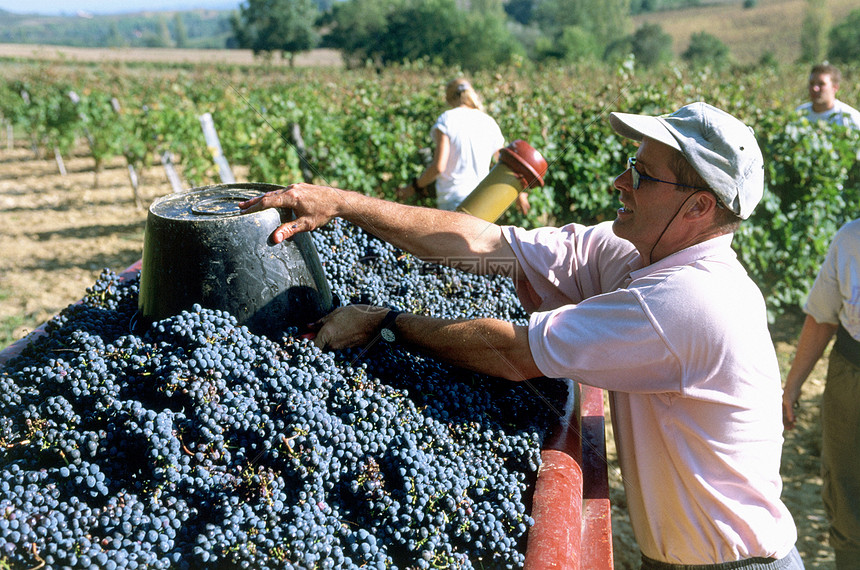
[(388, 328)]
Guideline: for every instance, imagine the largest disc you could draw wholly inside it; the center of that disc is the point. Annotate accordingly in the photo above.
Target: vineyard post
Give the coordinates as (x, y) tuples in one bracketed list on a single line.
[(214, 144), (299, 144), (59, 158), (34, 145), (76, 99), (132, 173), (132, 177), (170, 170)]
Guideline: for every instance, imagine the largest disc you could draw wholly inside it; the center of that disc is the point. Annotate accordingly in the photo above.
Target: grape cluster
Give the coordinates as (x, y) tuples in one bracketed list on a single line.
[(196, 444), (363, 269)]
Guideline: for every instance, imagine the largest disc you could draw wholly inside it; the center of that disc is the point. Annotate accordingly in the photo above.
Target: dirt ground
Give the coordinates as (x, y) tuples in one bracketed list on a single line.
[(316, 57), (57, 232)]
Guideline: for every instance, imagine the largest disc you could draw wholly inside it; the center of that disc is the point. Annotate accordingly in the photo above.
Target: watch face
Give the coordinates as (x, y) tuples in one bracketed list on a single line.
[(387, 335)]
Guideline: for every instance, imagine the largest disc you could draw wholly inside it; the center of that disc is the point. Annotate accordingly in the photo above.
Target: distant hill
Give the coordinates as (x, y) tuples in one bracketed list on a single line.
[(202, 29), (769, 26)]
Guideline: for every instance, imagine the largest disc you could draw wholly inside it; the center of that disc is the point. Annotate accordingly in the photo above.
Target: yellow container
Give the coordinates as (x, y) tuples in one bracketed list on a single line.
[(493, 195), (520, 167)]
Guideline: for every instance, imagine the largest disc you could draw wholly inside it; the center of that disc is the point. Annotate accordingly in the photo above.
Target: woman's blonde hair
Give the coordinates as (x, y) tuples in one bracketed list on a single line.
[(460, 92)]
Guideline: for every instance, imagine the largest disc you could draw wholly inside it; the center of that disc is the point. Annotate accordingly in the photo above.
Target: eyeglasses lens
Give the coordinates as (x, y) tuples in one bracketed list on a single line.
[(634, 174)]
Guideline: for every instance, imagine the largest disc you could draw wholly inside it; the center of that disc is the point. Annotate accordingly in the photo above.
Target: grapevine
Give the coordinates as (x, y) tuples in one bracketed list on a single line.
[(370, 133)]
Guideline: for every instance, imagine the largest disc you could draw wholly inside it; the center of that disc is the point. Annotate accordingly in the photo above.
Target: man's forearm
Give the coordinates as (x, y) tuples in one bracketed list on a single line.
[(440, 236), (814, 337), (489, 346), (444, 237)]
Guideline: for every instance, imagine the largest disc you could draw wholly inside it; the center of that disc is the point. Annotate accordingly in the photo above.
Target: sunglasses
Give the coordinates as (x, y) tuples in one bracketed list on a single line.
[(638, 177)]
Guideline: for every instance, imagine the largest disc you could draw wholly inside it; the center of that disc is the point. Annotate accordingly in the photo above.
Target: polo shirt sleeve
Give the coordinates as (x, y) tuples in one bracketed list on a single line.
[(610, 341), (569, 264), (835, 294), (825, 299)]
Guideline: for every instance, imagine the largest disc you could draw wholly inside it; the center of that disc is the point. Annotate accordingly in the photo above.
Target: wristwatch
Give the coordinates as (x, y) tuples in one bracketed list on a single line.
[(388, 328)]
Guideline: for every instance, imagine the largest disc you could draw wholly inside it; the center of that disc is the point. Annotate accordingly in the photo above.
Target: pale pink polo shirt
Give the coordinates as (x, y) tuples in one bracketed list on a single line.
[(695, 389)]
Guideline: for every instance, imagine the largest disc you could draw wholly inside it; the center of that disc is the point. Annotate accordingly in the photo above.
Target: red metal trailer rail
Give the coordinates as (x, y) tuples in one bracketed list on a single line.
[(571, 509)]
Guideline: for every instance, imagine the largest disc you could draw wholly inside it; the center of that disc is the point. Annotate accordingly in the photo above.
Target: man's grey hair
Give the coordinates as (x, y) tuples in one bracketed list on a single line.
[(725, 218)]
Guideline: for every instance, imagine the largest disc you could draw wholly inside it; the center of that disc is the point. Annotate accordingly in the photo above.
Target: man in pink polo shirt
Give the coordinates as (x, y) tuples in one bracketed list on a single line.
[(653, 307)]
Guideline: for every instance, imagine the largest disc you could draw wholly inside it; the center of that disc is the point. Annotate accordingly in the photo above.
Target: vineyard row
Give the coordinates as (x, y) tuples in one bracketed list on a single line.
[(370, 132)]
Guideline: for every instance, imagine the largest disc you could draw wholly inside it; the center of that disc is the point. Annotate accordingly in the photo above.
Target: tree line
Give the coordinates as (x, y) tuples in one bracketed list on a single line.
[(470, 34), (482, 34)]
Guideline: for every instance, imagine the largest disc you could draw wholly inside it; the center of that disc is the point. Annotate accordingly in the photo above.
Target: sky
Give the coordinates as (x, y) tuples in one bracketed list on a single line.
[(71, 7)]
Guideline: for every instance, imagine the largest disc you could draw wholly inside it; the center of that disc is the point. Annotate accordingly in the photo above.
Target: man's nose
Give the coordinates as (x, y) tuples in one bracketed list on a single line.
[(623, 179)]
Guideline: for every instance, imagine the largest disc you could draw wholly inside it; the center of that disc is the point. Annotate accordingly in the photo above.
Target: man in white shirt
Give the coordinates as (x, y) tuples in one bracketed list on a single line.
[(824, 80), (833, 309), (653, 307)]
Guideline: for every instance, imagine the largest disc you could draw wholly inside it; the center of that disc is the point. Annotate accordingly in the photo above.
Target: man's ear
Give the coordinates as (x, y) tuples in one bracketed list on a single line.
[(703, 203)]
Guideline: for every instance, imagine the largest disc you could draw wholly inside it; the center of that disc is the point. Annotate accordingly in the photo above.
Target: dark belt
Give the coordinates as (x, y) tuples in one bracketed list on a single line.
[(847, 346), (748, 564)]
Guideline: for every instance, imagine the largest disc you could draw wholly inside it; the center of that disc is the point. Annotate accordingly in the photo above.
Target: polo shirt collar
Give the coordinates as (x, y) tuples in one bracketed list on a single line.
[(717, 246)]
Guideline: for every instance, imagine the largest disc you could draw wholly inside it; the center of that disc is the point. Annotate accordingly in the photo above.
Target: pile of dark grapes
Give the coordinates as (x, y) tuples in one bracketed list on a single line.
[(196, 444)]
